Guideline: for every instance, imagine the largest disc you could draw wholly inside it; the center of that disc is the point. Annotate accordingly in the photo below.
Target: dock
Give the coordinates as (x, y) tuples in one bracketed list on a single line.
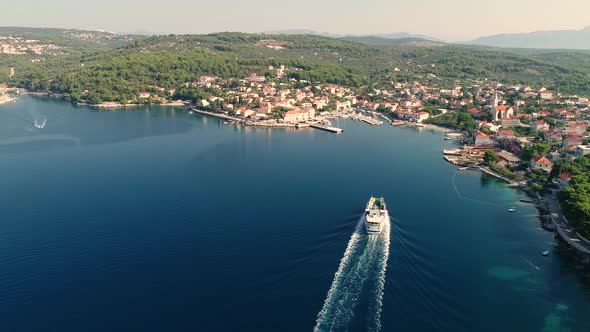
[(215, 115), (453, 152), (327, 128), (370, 120)]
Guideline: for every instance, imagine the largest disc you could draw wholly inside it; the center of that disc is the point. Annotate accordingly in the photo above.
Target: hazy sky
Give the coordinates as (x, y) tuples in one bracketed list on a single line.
[(447, 19)]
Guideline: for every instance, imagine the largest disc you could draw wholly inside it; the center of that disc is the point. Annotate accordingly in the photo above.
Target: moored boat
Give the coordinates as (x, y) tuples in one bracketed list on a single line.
[(376, 215)]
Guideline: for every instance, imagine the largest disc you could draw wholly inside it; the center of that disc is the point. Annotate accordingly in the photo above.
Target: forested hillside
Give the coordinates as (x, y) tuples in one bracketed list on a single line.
[(169, 61)]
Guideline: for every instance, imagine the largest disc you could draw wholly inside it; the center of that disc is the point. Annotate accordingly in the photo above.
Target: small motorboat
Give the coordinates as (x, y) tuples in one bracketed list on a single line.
[(448, 138), (512, 210), (545, 253)]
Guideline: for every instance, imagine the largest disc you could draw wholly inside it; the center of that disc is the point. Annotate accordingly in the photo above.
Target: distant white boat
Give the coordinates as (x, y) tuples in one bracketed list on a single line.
[(40, 124), (511, 210)]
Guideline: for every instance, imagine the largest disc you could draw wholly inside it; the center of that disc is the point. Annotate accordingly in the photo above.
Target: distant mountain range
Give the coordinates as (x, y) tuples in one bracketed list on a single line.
[(557, 39), (395, 35), (398, 42)]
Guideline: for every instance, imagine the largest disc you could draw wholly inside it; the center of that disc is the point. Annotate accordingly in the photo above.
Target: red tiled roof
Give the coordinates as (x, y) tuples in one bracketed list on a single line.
[(542, 160), (479, 134), (566, 175)]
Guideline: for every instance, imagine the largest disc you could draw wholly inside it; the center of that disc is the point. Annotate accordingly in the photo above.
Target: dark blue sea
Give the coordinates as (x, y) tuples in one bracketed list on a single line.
[(152, 219)]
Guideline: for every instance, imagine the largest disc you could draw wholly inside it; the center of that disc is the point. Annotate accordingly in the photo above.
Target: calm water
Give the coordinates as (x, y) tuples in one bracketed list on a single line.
[(155, 220)]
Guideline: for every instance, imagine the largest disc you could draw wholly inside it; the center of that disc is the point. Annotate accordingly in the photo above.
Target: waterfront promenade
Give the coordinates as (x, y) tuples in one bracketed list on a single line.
[(566, 232)]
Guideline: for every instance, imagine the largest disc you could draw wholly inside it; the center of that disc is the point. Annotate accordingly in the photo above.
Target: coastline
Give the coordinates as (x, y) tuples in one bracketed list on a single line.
[(120, 105), (6, 99), (438, 128), (105, 105)]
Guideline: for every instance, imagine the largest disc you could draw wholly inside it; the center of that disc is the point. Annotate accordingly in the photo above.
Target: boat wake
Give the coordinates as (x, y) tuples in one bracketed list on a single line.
[(360, 278), (531, 264), (468, 198)]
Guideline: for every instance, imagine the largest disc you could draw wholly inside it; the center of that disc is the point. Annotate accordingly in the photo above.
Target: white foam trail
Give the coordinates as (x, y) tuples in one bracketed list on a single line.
[(377, 307), (339, 276), (40, 123), (531, 263), (358, 265)]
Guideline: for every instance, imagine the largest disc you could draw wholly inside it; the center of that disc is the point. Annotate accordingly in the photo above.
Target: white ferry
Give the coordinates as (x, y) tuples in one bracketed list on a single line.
[(376, 215)]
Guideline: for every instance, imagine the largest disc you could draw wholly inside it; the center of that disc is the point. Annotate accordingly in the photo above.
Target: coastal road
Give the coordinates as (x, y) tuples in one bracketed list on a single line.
[(566, 231)]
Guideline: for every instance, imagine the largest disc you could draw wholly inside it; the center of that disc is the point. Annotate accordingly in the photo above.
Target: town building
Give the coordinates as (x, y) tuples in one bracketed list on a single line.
[(563, 180), (419, 116), (483, 139), (295, 116), (582, 150), (499, 112), (508, 122), (508, 158), (540, 125), (506, 134), (542, 163)]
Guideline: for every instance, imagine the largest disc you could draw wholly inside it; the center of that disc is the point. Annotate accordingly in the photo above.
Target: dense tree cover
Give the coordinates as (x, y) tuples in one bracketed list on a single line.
[(535, 150), (457, 120), (575, 199), (490, 157), (169, 61), (575, 202)]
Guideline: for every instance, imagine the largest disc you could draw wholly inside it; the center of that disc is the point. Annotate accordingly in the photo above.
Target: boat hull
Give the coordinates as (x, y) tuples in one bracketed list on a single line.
[(376, 216)]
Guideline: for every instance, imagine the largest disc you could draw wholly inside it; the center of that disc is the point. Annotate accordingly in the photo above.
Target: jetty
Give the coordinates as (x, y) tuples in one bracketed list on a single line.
[(454, 134), (497, 176), (454, 152), (327, 128), (370, 120), (216, 115)]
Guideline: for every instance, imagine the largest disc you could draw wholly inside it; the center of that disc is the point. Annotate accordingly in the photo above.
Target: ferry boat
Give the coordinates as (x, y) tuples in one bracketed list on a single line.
[(376, 215)]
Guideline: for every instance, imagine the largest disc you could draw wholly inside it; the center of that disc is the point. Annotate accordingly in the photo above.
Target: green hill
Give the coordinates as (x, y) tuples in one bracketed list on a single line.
[(169, 61), (401, 42)]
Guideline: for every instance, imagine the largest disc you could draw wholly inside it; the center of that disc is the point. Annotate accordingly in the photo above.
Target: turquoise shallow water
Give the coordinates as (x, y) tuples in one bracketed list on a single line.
[(151, 219)]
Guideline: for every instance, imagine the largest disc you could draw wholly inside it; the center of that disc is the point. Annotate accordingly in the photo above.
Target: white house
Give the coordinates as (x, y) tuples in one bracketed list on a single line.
[(540, 125), (419, 116), (542, 163)]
